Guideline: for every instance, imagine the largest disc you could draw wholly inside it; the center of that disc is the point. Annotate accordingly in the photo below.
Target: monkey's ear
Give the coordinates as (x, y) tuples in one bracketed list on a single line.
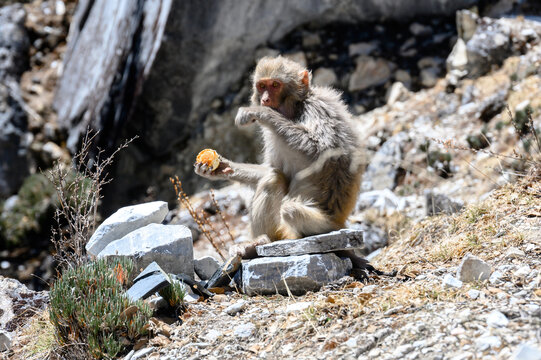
[(305, 78)]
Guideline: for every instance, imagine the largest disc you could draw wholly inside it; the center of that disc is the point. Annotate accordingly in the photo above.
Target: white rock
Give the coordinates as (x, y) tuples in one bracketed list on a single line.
[(124, 221), (473, 269), (527, 352), (514, 253), (212, 335), (370, 72), (497, 319), (351, 343), (486, 342), (369, 289), (299, 57), (458, 58), (495, 278), (522, 271), (449, 281), (298, 306), (235, 308), (170, 246), (474, 294), (244, 330), (5, 340), (140, 354)]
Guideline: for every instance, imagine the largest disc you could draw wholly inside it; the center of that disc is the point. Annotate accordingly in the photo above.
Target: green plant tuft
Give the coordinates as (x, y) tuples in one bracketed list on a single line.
[(174, 295), (88, 306)]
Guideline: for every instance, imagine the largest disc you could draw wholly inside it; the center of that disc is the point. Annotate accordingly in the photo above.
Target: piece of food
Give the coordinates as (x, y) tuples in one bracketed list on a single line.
[(209, 157)]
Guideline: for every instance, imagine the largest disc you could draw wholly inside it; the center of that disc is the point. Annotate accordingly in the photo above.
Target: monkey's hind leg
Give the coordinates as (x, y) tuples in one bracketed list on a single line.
[(305, 219), (265, 213)]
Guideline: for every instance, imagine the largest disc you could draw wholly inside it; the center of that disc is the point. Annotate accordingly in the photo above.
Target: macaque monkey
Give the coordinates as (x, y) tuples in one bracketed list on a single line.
[(310, 177)]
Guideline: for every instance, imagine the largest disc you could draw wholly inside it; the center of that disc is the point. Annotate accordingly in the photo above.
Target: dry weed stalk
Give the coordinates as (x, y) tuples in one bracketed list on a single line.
[(202, 221), (79, 189)]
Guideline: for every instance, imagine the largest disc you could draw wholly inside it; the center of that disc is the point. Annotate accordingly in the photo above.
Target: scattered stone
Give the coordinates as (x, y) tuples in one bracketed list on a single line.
[(324, 77), (362, 48), (236, 308), (298, 306), (344, 239), (5, 340), (225, 273), (522, 271), (495, 278), (244, 331), (140, 354), (486, 342), (514, 253), (298, 274), (497, 319), (397, 92), (403, 76), (420, 29), (527, 352), (458, 58), (18, 303), (429, 77), (474, 294), (473, 269), (449, 281), (441, 204), (385, 166), (151, 280), (124, 221), (205, 267), (169, 245), (212, 335), (370, 72)]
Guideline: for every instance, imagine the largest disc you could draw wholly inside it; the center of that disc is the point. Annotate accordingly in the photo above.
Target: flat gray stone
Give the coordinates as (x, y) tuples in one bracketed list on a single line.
[(299, 274), (150, 281), (473, 269), (124, 221), (527, 352), (344, 239), (205, 267), (170, 246)]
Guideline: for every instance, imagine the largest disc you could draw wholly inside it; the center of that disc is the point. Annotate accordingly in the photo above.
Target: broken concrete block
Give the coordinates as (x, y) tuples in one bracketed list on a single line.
[(124, 221), (299, 274), (473, 269), (205, 267), (344, 239), (170, 246)]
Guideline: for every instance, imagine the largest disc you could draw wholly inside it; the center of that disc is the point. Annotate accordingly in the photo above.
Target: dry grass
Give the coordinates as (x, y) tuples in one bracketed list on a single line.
[(37, 340)]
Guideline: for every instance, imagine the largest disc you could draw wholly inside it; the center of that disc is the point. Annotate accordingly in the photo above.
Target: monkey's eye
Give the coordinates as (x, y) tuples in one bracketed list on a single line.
[(262, 86), (275, 84)]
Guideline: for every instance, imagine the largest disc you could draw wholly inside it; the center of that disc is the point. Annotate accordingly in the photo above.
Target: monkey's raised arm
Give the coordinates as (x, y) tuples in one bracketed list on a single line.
[(249, 174), (311, 142)]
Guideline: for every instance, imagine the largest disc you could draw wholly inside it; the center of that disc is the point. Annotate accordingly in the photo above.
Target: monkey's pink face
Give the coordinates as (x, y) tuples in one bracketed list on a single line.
[(269, 91)]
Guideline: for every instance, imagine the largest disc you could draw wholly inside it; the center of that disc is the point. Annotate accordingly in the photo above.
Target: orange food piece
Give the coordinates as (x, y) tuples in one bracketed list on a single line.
[(209, 157)]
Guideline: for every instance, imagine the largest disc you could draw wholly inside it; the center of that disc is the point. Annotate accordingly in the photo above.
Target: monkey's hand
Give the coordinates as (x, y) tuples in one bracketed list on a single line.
[(223, 171), (248, 251), (248, 115)]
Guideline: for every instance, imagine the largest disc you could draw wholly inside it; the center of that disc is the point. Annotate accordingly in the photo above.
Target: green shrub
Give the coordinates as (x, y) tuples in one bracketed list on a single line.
[(174, 295), (89, 306)]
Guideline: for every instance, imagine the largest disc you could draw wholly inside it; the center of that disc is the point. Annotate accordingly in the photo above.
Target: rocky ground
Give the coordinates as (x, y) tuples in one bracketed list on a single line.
[(439, 142)]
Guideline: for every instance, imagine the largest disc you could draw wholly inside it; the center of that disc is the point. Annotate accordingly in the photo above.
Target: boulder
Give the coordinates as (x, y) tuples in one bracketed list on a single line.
[(473, 269), (297, 274), (168, 245), (124, 221), (153, 68), (344, 239)]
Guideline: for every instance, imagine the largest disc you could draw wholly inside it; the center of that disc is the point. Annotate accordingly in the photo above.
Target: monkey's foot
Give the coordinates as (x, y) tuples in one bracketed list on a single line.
[(362, 273)]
